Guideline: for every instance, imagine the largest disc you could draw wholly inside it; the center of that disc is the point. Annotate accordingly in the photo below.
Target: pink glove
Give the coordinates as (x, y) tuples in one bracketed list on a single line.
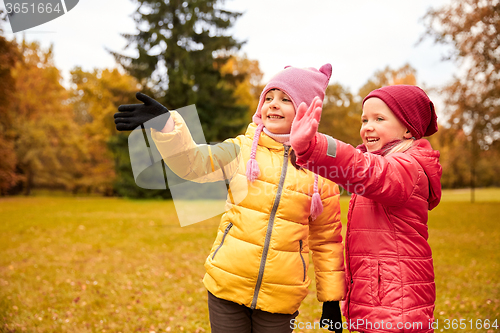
[(305, 125)]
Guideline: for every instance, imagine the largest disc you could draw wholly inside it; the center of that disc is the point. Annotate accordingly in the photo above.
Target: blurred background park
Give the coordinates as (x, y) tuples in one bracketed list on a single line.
[(84, 249)]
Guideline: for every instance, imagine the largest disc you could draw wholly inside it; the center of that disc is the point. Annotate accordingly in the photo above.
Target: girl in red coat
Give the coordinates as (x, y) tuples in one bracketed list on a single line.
[(395, 180)]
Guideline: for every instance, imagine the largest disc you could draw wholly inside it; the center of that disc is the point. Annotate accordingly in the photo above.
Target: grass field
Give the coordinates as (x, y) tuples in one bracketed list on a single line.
[(118, 265)]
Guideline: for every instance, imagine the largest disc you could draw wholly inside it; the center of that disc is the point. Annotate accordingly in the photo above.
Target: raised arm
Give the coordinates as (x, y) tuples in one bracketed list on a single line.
[(389, 180), (199, 163), (383, 179)]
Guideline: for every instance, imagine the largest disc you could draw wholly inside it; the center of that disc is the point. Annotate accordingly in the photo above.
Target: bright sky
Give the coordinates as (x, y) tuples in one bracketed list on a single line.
[(357, 37)]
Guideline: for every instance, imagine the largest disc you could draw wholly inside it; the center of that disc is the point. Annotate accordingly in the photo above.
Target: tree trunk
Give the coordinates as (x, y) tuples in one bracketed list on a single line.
[(473, 168), (28, 184)]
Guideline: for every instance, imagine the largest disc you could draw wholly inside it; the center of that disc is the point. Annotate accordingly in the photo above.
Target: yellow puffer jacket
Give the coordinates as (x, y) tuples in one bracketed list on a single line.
[(260, 257)]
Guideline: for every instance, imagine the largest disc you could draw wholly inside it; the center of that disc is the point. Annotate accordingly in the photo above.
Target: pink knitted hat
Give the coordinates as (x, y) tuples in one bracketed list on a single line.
[(301, 85), (411, 106)]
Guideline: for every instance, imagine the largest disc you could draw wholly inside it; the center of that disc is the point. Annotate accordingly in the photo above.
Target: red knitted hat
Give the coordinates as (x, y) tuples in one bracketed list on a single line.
[(411, 106)]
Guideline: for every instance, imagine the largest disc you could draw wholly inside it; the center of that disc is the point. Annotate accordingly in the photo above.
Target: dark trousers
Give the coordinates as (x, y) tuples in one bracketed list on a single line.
[(229, 317)]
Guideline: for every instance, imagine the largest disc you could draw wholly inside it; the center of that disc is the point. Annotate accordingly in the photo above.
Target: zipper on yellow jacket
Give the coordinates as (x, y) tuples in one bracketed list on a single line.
[(269, 231)]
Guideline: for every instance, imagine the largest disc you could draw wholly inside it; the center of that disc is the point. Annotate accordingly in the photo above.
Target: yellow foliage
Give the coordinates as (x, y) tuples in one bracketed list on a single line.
[(96, 97), (42, 121), (247, 92)]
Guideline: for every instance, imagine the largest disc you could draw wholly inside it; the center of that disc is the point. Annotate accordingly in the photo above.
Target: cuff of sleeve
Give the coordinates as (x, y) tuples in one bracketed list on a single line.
[(316, 148), (161, 137), (331, 286)]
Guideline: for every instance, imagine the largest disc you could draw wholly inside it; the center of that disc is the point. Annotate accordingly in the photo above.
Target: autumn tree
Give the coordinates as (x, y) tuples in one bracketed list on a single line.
[(248, 89), (472, 28), (342, 109), (181, 47), (389, 77), (341, 114), (452, 144), (9, 57), (95, 97), (45, 136), (449, 141)]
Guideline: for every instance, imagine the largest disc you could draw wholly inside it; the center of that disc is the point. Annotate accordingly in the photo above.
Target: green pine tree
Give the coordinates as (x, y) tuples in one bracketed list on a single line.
[(181, 46)]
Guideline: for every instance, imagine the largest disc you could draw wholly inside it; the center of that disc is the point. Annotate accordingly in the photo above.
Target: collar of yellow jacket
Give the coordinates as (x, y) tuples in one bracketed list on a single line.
[(264, 139)]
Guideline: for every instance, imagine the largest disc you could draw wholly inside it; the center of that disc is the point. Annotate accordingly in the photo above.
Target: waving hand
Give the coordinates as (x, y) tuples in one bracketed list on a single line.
[(152, 114), (305, 125)]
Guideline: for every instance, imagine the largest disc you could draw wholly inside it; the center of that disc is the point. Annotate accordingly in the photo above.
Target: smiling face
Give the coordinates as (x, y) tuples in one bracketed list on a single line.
[(277, 112), (379, 125)]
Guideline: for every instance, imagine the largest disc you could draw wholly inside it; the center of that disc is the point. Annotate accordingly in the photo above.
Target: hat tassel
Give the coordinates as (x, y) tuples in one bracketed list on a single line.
[(252, 165), (316, 204)]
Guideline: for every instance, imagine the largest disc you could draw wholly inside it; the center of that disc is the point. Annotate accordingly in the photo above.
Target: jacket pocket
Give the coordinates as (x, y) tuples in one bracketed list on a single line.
[(380, 280), (230, 225), (303, 261), (377, 281)]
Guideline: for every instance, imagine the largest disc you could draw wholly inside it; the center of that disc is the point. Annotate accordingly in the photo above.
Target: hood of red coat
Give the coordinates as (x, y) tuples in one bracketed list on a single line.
[(428, 158)]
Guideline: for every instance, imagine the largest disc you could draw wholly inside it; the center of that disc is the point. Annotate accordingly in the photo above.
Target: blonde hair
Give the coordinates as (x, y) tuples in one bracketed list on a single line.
[(402, 146)]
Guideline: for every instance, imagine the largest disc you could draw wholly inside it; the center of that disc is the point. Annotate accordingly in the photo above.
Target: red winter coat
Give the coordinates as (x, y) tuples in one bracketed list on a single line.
[(389, 266)]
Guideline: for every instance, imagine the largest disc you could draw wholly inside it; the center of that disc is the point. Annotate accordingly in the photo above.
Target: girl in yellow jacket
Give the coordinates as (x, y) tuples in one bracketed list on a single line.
[(257, 268)]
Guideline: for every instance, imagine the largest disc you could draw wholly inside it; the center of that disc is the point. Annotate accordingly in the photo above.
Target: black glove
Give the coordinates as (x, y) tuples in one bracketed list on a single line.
[(331, 316), (133, 115)]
